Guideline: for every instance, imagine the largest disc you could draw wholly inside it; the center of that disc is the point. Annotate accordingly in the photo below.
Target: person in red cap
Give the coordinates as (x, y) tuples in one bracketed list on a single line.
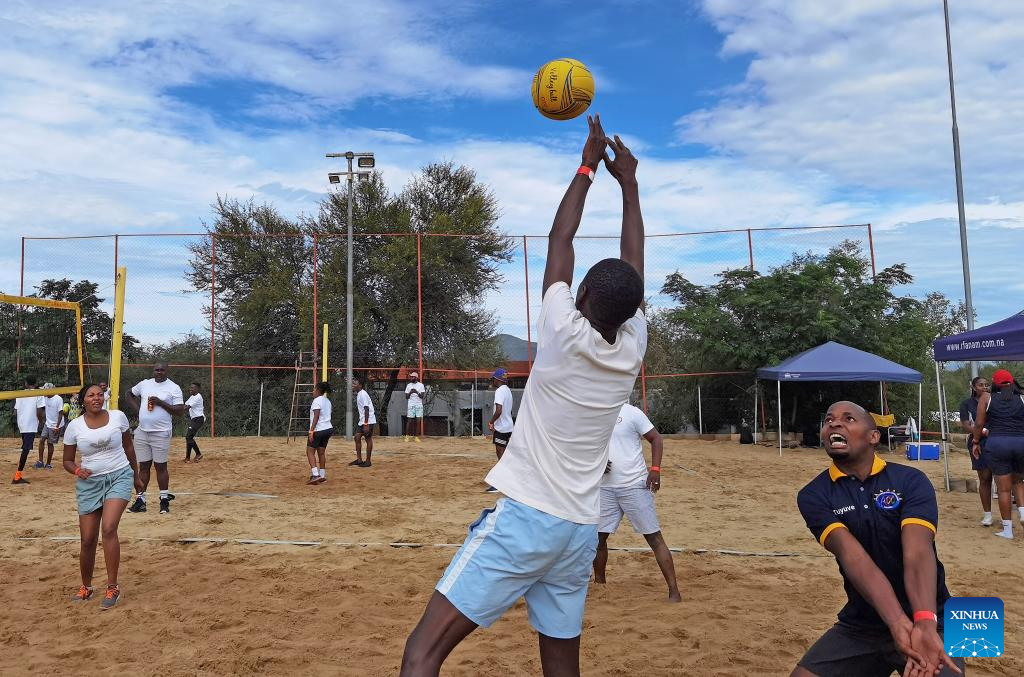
[(1001, 412), (414, 391)]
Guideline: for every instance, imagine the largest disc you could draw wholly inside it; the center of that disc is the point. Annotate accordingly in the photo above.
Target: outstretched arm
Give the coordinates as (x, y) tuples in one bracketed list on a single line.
[(623, 168), (561, 257)]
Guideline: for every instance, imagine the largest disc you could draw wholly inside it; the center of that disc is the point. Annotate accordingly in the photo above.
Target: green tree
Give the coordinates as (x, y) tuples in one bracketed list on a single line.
[(748, 320), (263, 286)]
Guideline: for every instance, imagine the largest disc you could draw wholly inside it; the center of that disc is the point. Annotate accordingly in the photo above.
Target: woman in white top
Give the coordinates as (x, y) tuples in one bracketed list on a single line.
[(105, 479), (320, 430), (196, 419)]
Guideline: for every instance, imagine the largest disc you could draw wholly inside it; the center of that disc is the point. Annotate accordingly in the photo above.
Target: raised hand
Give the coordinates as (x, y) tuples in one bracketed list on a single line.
[(623, 167), (594, 148)]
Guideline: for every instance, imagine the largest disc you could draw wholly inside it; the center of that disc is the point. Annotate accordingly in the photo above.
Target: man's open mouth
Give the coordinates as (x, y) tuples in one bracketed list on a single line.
[(837, 441)]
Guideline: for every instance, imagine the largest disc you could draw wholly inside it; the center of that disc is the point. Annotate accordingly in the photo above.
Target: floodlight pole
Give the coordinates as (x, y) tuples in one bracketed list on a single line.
[(965, 262), (365, 160)]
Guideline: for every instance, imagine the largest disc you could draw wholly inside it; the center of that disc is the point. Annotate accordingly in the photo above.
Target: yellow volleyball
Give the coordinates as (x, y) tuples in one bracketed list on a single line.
[(563, 89)]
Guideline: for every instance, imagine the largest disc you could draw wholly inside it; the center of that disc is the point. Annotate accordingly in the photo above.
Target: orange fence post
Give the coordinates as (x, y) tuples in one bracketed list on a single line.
[(419, 305), (213, 335), (526, 270), (643, 385), (871, 245), (315, 353)]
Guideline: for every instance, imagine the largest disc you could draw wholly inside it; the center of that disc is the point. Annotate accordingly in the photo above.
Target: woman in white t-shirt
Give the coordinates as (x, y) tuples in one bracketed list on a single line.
[(106, 476), (196, 419), (320, 430)]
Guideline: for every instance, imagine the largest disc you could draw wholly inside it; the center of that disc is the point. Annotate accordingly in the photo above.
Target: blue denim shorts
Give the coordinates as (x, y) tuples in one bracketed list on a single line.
[(515, 551), (93, 491)]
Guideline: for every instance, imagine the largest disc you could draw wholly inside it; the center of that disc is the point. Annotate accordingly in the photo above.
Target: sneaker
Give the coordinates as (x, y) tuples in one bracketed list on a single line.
[(18, 479), (111, 597), (358, 461), (417, 440), (38, 465), (165, 506), (405, 438), (365, 464), (490, 490), (48, 467), (1003, 534), (319, 480), (84, 594), (313, 479), (138, 506), (986, 521)]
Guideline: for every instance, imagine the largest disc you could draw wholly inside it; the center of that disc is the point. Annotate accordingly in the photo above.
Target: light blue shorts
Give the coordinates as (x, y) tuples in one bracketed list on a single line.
[(515, 551), (94, 491), (415, 410)]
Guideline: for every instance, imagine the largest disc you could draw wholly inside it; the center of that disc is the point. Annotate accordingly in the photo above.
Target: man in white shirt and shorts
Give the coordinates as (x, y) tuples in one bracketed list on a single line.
[(414, 414), (366, 418), (540, 539), (30, 413), (159, 400), (500, 424), (628, 489), (54, 404)]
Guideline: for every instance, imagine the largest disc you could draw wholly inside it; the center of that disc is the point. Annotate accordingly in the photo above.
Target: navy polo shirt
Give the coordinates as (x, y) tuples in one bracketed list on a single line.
[(875, 512)]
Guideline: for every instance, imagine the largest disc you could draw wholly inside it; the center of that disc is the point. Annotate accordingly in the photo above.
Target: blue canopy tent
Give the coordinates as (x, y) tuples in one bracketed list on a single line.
[(1003, 340), (835, 362)]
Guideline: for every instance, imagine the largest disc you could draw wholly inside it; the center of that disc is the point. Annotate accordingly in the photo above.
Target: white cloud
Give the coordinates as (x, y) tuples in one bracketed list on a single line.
[(859, 91)]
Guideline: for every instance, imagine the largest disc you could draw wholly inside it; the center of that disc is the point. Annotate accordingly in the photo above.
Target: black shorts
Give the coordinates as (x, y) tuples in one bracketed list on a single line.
[(980, 463), (501, 439), (844, 651), (194, 424), (320, 438), (1005, 454), (360, 430)]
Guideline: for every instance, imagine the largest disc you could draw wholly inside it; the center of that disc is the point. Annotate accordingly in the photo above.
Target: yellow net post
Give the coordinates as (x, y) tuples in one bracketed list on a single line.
[(118, 332), (323, 369)]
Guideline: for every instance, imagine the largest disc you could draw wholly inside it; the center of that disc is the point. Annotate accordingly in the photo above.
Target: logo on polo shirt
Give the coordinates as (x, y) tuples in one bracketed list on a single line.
[(888, 499), (973, 627)]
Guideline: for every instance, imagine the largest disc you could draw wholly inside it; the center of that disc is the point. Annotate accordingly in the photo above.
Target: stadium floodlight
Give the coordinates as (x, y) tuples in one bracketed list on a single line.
[(365, 160)]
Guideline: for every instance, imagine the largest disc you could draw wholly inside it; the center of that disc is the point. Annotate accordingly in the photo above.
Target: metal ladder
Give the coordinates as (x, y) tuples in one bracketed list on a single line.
[(302, 394)]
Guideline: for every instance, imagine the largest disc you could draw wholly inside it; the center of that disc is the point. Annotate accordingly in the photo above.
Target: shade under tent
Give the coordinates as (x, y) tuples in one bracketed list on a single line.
[(836, 362)]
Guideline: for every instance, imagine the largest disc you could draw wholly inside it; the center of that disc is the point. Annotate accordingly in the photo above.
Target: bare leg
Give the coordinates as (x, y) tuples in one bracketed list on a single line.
[(89, 527), (369, 448), (439, 631), (1018, 490), (1003, 483), (499, 450), (163, 479), (799, 671), (112, 510), (559, 657), (42, 443), (664, 557), (144, 467), (410, 427), (311, 457), (601, 558), (49, 452), (321, 453), (359, 446), (985, 489)]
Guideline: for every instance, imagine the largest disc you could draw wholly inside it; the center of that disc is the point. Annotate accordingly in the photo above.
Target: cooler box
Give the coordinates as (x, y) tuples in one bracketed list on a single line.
[(923, 451)]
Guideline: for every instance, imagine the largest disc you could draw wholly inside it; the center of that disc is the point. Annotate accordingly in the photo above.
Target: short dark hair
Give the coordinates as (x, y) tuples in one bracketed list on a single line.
[(324, 387), (30, 380), (616, 291), (196, 384)]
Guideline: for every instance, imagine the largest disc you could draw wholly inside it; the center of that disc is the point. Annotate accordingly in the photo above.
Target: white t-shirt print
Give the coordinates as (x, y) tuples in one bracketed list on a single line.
[(579, 382)]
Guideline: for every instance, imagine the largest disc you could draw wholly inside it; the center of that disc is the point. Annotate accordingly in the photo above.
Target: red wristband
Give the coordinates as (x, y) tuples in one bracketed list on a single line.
[(586, 171), (925, 616), (655, 468), (76, 470)]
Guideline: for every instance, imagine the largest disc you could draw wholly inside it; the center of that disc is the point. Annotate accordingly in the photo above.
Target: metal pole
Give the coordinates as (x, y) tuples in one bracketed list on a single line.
[(700, 413), (17, 359), (755, 410), (529, 337), (259, 419), (315, 325), (942, 424), (472, 407), (348, 312), (778, 396), (750, 249), (871, 247), (881, 399), (213, 333), (945, 446), (920, 411), (419, 308), (965, 262)]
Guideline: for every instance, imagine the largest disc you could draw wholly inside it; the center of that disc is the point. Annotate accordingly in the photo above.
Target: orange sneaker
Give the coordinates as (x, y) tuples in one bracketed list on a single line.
[(18, 479), (110, 597), (84, 594)]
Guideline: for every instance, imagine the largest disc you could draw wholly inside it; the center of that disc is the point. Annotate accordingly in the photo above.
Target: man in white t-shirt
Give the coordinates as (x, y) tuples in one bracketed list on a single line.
[(539, 541), (158, 400), (106, 394), (31, 414), (628, 489), (414, 415), (53, 405), (366, 418), (500, 424)]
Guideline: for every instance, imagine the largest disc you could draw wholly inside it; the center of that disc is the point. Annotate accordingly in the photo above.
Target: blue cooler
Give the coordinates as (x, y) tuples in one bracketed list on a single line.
[(923, 451)]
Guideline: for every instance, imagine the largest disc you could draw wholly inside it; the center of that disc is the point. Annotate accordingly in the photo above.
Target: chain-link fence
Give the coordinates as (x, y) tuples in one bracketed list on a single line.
[(232, 312)]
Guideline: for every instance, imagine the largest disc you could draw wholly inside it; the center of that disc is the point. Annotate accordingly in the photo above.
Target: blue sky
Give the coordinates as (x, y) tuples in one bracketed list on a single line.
[(132, 118)]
